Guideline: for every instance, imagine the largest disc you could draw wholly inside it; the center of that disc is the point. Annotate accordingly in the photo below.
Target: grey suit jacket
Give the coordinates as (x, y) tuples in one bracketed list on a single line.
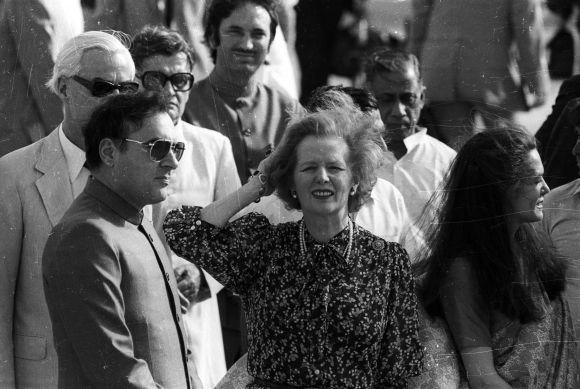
[(35, 191), (31, 34), (113, 298)]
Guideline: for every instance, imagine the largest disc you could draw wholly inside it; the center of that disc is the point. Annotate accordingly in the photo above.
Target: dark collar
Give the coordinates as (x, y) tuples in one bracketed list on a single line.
[(105, 195), (230, 91)]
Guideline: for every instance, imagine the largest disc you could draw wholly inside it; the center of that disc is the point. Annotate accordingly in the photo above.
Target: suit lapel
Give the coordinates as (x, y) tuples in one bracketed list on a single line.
[(54, 184)]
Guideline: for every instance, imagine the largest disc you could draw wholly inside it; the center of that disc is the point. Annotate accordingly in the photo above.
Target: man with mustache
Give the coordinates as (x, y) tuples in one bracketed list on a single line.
[(232, 100), (415, 162)]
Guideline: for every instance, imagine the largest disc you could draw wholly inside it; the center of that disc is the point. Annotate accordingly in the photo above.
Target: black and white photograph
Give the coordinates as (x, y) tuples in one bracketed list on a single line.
[(290, 194)]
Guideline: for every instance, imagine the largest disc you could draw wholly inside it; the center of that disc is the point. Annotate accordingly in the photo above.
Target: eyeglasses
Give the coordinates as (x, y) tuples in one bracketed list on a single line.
[(408, 99), (156, 81), (101, 88), (159, 148)]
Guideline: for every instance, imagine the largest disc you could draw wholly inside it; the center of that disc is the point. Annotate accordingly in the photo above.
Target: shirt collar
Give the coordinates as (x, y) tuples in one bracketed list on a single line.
[(338, 242), (74, 156), (107, 196), (231, 91), (415, 139)]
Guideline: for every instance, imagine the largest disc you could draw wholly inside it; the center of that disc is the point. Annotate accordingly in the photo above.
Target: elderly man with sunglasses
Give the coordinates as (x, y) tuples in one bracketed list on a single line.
[(37, 185), (109, 287), (206, 173)]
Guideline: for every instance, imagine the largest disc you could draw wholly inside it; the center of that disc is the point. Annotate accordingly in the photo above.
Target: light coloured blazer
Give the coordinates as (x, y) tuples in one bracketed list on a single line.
[(488, 52), (31, 34), (35, 192)]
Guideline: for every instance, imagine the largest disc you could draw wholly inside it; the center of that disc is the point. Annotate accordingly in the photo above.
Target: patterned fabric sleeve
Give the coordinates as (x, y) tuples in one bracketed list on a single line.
[(233, 255), (401, 352)]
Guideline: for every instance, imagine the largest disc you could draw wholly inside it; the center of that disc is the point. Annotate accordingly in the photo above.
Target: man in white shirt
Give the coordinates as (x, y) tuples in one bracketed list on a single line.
[(415, 162), (206, 172), (39, 182)]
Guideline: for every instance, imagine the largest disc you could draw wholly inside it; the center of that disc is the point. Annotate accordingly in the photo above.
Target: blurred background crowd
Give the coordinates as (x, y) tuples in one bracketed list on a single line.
[(322, 42)]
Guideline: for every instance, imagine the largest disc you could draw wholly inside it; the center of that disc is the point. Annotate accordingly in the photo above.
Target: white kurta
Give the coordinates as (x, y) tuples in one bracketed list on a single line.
[(206, 172), (418, 174)]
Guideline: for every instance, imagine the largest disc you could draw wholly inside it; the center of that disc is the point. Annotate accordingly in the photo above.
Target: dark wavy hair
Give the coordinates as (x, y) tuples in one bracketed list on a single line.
[(471, 223), (158, 40), (364, 151), (118, 117), (219, 10)]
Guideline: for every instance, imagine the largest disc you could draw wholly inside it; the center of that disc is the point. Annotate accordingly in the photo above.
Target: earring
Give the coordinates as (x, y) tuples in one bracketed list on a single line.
[(353, 191), (293, 194)]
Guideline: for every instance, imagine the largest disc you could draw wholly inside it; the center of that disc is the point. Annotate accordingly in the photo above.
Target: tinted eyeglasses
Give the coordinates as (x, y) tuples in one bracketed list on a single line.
[(156, 81), (100, 87), (159, 148), (409, 99)]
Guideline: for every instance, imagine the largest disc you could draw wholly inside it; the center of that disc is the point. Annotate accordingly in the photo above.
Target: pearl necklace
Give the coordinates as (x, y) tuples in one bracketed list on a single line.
[(345, 254)]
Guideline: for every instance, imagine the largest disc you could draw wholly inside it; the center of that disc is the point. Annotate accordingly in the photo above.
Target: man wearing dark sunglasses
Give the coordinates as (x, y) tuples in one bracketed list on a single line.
[(111, 294), (37, 185), (415, 162), (207, 172)]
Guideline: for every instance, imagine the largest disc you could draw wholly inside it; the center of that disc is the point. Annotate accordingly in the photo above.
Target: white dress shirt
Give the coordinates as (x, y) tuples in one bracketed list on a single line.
[(75, 160), (206, 172), (418, 174)]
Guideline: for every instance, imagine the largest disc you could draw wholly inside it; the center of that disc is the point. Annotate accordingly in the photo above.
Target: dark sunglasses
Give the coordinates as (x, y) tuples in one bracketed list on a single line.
[(156, 81), (101, 88), (407, 98), (158, 149)]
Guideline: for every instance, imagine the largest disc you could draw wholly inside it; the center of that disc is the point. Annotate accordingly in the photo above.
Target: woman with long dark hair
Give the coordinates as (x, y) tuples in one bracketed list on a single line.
[(492, 275)]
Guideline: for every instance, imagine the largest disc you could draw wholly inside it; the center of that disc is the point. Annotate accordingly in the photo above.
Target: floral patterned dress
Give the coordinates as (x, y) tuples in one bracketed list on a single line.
[(313, 321)]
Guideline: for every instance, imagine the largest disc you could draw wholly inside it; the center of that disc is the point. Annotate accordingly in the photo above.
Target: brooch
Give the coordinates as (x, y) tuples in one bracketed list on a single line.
[(378, 244)]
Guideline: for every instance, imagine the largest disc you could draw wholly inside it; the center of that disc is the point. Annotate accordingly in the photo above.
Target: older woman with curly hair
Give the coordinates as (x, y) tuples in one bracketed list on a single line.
[(327, 303)]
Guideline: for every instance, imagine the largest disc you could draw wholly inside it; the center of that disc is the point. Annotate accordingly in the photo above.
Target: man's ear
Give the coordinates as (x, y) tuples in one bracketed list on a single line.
[(108, 152), (62, 88)]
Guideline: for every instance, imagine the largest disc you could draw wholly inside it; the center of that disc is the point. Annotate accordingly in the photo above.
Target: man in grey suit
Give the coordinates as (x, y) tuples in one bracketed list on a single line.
[(38, 184), (109, 285)]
